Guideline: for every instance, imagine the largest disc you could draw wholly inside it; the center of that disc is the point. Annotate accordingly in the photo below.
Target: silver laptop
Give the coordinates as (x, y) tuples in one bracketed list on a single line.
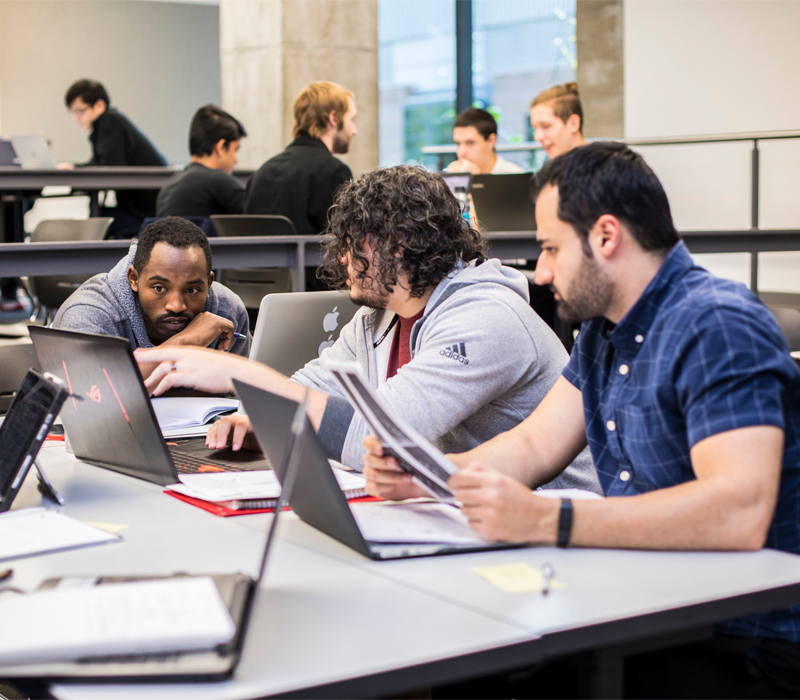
[(33, 152), (294, 328), (8, 156)]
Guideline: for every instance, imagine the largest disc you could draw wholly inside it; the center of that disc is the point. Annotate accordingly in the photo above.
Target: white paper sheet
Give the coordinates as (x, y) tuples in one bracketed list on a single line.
[(144, 616), (177, 412), (35, 530), (414, 523), (219, 487)]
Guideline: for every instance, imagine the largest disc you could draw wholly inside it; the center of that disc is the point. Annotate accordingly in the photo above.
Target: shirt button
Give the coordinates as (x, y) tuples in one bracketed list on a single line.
[(639, 338), (623, 369), (625, 476), (611, 425)]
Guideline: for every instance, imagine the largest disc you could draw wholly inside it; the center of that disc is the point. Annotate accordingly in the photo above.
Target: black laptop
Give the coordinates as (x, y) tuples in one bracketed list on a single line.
[(316, 497), (109, 419), (503, 202)]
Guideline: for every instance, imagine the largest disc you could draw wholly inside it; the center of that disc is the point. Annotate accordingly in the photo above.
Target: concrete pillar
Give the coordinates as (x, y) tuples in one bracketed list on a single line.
[(271, 49), (601, 76)]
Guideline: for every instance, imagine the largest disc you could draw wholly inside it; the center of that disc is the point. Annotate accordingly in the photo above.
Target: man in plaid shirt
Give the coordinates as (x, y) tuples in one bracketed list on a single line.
[(683, 387)]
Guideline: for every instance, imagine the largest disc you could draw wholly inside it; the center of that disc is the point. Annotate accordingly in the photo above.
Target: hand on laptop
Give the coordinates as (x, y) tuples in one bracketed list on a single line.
[(236, 430), (193, 368), (385, 479), (464, 166)]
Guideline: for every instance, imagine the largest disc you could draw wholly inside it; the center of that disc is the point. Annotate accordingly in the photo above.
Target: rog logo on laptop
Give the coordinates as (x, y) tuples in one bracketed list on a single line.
[(94, 394)]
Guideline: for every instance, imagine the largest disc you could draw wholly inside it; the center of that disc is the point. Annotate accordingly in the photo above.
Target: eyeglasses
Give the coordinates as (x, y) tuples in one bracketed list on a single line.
[(79, 111)]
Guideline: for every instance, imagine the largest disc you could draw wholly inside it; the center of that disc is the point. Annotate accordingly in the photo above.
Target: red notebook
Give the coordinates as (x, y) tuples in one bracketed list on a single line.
[(227, 512)]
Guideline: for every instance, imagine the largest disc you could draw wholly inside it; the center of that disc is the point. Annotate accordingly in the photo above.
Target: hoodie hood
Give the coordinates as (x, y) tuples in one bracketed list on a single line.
[(121, 289)]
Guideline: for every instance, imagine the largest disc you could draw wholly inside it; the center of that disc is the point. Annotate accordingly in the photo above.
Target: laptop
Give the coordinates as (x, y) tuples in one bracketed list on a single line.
[(457, 181), (8, 156), (33, 152), (316, 497), (238, 592), (503, 202), (294, 328), (109, 419)]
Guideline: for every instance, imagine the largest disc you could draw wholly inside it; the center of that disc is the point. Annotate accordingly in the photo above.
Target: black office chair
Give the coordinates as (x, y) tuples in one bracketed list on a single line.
[(50, 291), (253, 284)]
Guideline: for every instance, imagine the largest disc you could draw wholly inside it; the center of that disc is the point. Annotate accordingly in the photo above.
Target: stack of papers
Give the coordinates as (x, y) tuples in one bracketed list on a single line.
[(179, 412), (30, 531), (252, 490), (180, 614)]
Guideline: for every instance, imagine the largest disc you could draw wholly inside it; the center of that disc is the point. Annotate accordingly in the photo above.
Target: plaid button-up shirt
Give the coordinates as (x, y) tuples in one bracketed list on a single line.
[(694, 357)]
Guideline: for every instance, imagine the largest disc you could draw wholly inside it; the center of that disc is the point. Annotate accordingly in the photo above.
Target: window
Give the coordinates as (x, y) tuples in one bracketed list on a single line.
[(519, 48)]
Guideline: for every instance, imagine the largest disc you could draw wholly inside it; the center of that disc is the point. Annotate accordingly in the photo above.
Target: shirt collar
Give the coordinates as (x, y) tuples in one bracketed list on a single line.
[(630, 332)]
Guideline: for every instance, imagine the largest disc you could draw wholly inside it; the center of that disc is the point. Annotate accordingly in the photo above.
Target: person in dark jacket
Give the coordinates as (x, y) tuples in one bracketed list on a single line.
[(115, 141), (300, 182), (207, 186)]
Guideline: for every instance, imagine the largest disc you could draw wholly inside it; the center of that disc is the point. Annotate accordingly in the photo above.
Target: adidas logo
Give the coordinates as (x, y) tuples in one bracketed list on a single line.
[(457, 352)]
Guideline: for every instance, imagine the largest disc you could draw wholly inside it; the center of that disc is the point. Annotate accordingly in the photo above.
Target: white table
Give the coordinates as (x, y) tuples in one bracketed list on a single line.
[(329, 622)]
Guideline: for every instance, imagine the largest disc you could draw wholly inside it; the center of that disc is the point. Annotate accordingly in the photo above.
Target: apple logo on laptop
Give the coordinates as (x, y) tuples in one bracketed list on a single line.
[(329, 324)]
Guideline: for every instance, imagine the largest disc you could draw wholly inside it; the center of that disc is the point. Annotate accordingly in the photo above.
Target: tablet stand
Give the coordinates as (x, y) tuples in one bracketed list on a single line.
[(45, 486)]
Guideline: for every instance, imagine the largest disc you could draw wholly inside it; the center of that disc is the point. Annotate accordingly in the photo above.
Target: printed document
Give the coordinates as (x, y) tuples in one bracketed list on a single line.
[(177, 412), (178, 614)]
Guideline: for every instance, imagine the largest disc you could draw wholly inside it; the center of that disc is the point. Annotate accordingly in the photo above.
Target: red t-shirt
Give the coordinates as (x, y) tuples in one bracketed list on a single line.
[(400, 353)]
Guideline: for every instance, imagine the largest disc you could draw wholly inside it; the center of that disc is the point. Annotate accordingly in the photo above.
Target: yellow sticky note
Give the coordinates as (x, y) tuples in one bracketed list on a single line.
[(111, 528), (515, 578)]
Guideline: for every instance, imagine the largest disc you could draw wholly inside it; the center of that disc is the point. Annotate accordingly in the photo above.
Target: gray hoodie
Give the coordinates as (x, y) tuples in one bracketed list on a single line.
[(481, 361), (106, 304)]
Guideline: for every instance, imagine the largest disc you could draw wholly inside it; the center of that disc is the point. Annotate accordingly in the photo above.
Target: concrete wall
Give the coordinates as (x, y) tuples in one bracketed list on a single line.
[(719, 66), (158, 60), (271, 49)]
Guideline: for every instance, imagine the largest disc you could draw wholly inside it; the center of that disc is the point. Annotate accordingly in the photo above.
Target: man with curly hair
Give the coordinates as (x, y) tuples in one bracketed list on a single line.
[(446, 336)]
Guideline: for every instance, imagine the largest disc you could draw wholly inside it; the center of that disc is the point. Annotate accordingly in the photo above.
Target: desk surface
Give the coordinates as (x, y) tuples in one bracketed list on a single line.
[(330, 622), (94, 178)]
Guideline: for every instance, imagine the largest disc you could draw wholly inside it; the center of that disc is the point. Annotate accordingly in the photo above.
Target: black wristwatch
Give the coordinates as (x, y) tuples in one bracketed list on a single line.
[(564, 523)]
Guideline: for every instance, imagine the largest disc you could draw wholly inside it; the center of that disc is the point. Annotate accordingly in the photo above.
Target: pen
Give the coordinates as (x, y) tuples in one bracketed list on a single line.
[(236, 336), (7, 574), (547, 577)]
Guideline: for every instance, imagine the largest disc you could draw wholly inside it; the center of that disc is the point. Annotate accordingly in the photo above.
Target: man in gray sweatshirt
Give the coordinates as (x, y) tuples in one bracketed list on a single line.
[(445, 336), (161, 292)]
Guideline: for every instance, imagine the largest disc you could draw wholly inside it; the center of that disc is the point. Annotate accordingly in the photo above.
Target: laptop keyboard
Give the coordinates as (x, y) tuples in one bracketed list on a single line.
[(189, 464)]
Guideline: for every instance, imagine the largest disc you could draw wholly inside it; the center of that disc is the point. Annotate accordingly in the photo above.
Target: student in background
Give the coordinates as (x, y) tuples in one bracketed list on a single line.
[(475, 135), (207, 186), (557, 119), (300, 182), (161, 292), (115, 141), (444, 335)]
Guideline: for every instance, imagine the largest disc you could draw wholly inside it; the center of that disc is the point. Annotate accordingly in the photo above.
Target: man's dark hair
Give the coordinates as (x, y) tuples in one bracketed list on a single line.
[(174, 231), (609, 178), (411, 221), (482, 120), (89, 91), (209, 125)]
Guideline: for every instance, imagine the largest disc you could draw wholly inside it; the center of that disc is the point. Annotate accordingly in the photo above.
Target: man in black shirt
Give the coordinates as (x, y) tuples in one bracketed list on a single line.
[(207, 186), (300, 182), (115, 141)]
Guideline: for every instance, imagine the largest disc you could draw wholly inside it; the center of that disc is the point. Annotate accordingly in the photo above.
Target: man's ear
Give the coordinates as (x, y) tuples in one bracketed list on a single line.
[(492, 139), (332, 120), (606, 235), (133, 279), (210, 278), (219, 148), (574, 123)]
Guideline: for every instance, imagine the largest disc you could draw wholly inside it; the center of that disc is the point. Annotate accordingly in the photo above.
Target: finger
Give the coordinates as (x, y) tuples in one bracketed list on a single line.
[(220, 438), (373, 445), (382, 476), (385, 463), (240, 430), (158, 374), (163, 353), (225, 341), (168, 382)]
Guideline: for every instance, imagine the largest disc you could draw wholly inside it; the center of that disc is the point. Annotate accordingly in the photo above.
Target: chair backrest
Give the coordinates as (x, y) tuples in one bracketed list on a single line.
[(788, 318), (202, 222), (253, 225), (53, 230)]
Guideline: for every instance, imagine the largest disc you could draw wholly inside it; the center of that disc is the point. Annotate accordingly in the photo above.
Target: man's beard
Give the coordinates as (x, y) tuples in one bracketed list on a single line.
[(341, 143), (369, 298), (588, 295)]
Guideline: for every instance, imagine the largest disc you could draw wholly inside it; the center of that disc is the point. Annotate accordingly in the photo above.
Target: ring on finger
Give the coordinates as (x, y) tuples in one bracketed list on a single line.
[(174, 367)]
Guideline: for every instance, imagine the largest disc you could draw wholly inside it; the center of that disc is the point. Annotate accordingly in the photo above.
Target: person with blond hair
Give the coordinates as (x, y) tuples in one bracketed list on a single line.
[(557, 119), (300, 182)]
